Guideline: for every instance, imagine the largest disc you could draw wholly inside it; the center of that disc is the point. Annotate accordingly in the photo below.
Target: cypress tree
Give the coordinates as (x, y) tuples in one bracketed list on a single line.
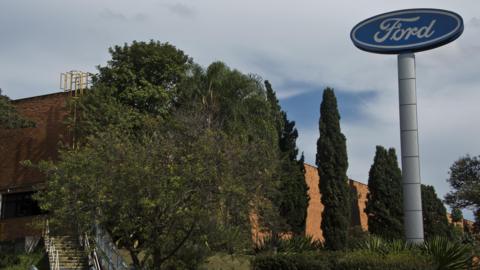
[(435, 222), (384, 205), (292, 199), (332, 165)]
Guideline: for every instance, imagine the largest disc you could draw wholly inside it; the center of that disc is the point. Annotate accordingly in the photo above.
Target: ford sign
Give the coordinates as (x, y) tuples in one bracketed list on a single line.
[(409, 30)]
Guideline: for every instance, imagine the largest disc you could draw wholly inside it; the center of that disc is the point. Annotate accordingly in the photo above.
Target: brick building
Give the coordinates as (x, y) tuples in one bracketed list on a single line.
[(17, 182)]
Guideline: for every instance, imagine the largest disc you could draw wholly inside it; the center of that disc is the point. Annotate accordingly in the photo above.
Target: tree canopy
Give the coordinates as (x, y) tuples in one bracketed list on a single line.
[(172, 160)]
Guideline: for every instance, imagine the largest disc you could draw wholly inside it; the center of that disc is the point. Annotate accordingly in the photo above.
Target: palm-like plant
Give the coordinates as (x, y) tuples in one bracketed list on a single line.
[(379, 245), (294, 244), (447, 254)]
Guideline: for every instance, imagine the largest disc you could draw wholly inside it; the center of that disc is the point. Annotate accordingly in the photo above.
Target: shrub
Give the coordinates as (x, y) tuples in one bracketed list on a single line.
[(295, 261), (13, 259), (7, 259), (337, 260), (448, 254), (381, 246), (366, 260), (356, 236), (292, 244), (376, 254)]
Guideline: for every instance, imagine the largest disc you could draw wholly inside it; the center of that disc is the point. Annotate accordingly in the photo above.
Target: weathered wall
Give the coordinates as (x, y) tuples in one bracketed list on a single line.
[(15, 228), (35, 144)]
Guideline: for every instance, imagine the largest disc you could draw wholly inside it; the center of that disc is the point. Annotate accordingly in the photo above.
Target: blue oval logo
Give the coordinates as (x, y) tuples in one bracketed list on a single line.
[(409, 30)]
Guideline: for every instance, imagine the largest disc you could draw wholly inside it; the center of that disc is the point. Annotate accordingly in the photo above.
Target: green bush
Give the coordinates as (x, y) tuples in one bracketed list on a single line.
[(8, 259), (331, 260), (374, 254), (293, 244), (23, 261), (366, 260), (356, 236), (379, 245), (295, 261), (14, 259), (449, 255)]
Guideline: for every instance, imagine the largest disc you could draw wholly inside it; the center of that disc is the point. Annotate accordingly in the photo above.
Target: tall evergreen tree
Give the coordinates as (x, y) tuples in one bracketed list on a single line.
[(435, 222), (384, 205), (332, 165), (292, 200)]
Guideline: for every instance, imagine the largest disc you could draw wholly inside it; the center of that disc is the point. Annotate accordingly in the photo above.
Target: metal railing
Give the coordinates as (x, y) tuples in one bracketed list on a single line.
[(110, 258), (93, 260), (103, 256)]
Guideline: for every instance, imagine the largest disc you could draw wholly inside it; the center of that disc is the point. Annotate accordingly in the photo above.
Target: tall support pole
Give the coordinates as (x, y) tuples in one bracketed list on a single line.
[(412, 196)]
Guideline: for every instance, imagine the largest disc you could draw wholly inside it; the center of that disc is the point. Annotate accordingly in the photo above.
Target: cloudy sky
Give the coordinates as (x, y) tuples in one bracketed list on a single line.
[(300, 46)]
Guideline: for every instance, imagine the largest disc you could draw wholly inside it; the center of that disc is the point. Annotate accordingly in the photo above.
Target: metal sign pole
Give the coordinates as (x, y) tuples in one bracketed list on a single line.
[(412, 196), (405, 32)]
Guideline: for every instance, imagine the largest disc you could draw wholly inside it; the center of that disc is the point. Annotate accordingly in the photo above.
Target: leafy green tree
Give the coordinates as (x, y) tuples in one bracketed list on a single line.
[(144, 75), (237, 105), (9, 117), (137, 87), (384, 205), (173, 176), (465, 182), (152, 193), (292, 199), (435, 222), (332, 168)]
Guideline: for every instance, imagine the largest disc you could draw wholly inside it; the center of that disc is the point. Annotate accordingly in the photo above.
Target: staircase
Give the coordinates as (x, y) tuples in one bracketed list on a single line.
[(70, 254), (64, 251)]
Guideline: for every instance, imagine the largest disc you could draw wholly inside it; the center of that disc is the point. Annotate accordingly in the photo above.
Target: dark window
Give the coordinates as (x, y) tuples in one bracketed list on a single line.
[(19, 205)]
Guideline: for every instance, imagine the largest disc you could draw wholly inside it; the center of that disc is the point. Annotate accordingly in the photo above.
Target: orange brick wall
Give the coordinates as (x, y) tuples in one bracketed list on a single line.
[(315, 207), (358, 211)]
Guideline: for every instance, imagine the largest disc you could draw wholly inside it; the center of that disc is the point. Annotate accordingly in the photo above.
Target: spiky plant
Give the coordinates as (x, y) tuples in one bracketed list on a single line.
[(448, 255), (294, 244)]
